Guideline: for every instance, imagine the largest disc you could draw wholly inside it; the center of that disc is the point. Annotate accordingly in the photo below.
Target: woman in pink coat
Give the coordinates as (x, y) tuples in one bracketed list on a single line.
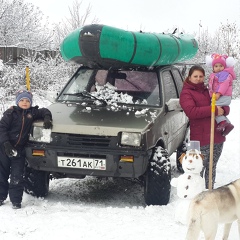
[(220, 82), (196, 103)]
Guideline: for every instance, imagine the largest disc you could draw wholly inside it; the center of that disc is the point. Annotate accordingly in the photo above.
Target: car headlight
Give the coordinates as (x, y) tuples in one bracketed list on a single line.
[(131, 139), (39, 134)]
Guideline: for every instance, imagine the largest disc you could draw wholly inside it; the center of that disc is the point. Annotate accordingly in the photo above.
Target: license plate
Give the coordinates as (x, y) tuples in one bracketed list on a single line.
[(86, 163)]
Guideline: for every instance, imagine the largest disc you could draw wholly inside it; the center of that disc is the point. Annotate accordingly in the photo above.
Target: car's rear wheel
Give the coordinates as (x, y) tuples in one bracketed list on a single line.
[(157, 178), (36, 182)]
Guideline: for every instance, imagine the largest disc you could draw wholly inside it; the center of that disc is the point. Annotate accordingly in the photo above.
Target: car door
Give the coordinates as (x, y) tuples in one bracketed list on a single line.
[(171, 82)]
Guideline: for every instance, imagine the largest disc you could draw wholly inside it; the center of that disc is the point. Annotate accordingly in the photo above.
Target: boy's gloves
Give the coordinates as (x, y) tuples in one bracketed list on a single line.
[(47, 122), (10, 150)]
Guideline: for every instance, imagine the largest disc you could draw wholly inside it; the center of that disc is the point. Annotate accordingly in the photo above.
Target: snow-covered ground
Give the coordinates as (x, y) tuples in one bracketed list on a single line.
[(109, 209)]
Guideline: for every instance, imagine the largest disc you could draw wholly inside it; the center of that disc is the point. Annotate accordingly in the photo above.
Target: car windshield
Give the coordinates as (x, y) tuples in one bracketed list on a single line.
[(113, 86)]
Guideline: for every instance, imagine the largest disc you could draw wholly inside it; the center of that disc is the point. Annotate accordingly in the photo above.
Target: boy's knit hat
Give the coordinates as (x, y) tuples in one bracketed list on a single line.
[(23, 94), (223, 59)]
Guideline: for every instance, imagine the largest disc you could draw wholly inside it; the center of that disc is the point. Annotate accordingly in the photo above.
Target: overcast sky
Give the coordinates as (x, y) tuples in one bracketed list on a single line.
[(150, 15)]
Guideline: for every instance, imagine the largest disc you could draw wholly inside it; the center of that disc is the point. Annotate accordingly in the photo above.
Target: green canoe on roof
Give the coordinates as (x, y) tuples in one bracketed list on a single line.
[(104, 46)]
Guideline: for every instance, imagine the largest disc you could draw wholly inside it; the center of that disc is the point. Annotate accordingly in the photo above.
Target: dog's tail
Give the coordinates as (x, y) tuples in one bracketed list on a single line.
[(194, 221)]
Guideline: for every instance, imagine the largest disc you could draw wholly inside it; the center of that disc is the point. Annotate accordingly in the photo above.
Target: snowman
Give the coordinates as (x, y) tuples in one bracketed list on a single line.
[(189, 184)]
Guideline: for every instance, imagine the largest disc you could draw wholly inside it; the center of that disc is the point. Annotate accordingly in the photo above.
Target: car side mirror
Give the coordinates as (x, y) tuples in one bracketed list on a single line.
[(173, 105)]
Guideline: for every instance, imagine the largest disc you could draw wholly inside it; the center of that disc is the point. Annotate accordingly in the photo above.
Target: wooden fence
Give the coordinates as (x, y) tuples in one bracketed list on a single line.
[(11, 55)]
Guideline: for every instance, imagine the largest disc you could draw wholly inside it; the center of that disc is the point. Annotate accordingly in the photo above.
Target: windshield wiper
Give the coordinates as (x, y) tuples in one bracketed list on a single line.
[(87, 95)]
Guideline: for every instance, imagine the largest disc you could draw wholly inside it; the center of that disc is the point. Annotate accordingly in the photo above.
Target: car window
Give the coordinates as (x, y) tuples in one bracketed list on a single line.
[(178, 80), (140, 84), (138, 87), (169, 86), (77, 84)]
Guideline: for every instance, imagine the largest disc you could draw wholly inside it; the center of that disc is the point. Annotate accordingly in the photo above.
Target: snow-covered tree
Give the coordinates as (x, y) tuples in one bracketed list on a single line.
[(45, 74), (21, 25), (229, 39), (225, 40)]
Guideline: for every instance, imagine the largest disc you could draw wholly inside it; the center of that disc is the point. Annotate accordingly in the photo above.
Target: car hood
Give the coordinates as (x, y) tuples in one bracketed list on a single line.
[(107, 120)]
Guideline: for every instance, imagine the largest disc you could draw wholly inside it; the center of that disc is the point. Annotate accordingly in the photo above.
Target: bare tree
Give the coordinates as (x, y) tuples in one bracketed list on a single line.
[(77, 18), (229, 41)]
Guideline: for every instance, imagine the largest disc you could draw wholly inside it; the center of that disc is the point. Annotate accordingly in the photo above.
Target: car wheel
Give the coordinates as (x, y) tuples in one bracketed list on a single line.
[(157, 178), (36, 182)]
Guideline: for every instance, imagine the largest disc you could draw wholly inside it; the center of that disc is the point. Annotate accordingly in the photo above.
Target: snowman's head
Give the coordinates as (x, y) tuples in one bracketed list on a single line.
[(192, 161)]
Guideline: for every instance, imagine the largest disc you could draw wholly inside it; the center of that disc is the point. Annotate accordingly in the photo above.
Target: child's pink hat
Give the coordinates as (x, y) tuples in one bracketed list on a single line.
[(217, 58), (223, 59)]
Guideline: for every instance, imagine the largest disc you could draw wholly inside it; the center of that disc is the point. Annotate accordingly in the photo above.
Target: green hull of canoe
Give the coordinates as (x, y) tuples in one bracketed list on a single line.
[(105, 46)]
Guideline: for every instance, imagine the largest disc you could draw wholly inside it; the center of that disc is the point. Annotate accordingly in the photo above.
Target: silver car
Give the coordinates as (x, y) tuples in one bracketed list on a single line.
[(121, 123)]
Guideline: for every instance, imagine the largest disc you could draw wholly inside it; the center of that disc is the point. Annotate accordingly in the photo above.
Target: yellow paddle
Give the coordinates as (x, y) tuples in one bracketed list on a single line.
[(212, 141)]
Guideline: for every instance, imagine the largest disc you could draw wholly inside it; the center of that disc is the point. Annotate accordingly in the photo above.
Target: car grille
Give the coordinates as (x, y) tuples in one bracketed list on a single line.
[(77, 140), (85, 140)]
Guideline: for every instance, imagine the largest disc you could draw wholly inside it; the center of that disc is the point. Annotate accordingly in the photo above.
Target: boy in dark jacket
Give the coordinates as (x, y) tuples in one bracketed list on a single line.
[(15, 127)]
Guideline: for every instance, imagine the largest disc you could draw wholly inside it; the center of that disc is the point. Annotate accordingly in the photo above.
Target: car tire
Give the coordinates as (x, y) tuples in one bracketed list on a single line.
[(36, 182), (157, 178)]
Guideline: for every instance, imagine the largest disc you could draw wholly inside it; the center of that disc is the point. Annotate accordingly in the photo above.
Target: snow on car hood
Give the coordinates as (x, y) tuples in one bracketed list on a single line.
[(80, 119)]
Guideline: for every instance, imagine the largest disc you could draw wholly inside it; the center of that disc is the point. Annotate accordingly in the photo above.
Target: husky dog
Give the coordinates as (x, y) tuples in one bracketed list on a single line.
[(209, 208)]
